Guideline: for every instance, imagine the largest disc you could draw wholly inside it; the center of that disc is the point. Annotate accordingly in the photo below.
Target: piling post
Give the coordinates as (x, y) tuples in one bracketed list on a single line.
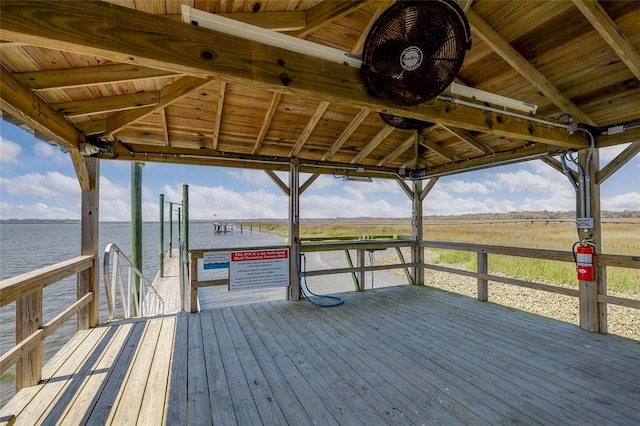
[(161, 205), (185, 219), (136, 220)]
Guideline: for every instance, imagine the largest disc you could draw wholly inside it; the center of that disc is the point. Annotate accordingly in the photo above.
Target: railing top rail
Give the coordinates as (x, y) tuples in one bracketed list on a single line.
[(356, 244), (113, 248), (619, 260), (14, 288)]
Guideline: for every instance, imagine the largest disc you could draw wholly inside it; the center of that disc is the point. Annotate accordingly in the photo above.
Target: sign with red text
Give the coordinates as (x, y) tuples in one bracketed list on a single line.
[(259, 269)]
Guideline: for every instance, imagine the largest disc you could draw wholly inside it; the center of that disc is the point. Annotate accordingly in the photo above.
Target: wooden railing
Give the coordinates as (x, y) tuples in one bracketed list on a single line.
[(482, 250), (26, 290)]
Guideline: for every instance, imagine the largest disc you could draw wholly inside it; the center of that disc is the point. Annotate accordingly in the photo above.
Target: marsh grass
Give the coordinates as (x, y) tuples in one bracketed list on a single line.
[(618, 237)]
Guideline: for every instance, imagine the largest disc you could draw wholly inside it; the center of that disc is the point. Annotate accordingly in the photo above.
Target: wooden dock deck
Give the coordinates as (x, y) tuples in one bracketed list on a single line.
[(395, 355)]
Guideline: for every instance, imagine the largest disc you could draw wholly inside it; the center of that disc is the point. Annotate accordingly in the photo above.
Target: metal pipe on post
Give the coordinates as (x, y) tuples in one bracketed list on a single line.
[(417, 253), (136, 221), (161, 205), (294, 233)]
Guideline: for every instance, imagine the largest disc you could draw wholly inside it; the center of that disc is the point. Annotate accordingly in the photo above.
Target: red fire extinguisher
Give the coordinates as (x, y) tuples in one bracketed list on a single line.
[(585, 259)]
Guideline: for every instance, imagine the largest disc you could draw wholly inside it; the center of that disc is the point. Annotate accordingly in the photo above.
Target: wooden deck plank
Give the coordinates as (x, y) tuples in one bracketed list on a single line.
[(301, 407), (198, 406), (176, 404), (90, 391), (219, 393), (154, 398), (103, 406)]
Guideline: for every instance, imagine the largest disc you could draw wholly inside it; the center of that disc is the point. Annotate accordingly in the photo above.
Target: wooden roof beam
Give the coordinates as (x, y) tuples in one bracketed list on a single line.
[(137, 38), (467, 137), (311, 125), (216, 126), (373, 144), (107, 104), (276, 179), (524, 67), (382, 6), (432, 182), (557, 165), (165, 127), (168, 95), (27, 106), (325, 13), (621, 159), (438, 149), (274, 21), (346, 133), (610, 32), (88, 76), (307, 183), (266, 123), (400, 149)]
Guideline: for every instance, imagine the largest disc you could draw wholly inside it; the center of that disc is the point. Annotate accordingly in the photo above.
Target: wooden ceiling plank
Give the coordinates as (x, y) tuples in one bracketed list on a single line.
[(28, 107), (216, 128), (346, 134), (465, 5), (274, 177), (432, 182), (307, 183), (311, 125), (621, 159), (324, 13), (169, 94), (400, 149), (87, 76), (266, 123), (525, 68), (467, 137), (610, 32), (106, 104), (382, 6), (373, 144), (136, 38)]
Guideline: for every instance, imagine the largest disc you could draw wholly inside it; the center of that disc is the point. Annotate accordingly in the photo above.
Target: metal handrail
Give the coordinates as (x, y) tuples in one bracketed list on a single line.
[(136, 302)]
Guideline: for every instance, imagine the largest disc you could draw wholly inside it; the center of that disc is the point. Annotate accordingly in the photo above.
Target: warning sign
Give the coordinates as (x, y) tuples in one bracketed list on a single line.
[(259, 268)]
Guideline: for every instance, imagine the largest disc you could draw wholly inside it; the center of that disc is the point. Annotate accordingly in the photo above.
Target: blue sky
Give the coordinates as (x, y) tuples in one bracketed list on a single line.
[(37, 180)]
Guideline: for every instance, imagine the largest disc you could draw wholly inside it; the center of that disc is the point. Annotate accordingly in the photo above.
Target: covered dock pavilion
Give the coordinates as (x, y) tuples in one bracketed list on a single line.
[(130, 81)]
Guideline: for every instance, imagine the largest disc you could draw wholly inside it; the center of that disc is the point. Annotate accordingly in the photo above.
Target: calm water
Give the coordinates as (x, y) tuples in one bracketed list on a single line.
[(24, 248)]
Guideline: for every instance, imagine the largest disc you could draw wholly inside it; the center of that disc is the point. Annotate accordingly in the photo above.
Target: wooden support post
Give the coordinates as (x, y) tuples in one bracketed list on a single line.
[(29, 320), (136, 221), (483, 268), (170, 229), (417, 251), (161, 219), (361, 274), (593, 315), (88, 280), (294, 233)]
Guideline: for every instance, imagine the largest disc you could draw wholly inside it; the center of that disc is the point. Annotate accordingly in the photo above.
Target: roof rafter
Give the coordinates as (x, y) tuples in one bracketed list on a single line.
[(324, 13), (400, 149), (107, 104), (79, 27), (525, 68), (373, 144), (346, 133), (382, 6), (438, 149), (610, 32), (266, 123), (168, 95), (311, 125), (39, 115), (165, 127), (216, 126), (467, 137)]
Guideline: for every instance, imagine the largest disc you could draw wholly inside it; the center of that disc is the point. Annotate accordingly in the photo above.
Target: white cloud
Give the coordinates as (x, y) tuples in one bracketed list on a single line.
[(36, 211), (609, 153), (9, 151), (629, 201), (524, 180), (459, 186), (45, 150), (254, 177), (50, 185), (317, 206)]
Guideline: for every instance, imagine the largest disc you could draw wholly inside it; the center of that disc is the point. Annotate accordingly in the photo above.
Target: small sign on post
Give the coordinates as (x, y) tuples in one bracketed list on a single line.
[(215, 260), (259, 269)]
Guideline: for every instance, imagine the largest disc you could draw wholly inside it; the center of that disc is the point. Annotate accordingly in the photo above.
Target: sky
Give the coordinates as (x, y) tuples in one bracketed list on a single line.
[(37, 180)]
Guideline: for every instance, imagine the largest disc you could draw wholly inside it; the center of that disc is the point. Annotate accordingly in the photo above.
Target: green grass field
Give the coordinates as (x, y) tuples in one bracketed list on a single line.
[(618, 237)]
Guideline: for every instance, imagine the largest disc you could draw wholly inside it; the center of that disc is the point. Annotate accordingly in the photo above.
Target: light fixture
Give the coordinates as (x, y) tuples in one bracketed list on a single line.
[(251, 32), (492, 98), (293, 44), (358, 178)]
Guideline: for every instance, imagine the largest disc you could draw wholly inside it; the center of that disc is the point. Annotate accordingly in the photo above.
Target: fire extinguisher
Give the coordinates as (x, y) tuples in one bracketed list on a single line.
[(584, 257)]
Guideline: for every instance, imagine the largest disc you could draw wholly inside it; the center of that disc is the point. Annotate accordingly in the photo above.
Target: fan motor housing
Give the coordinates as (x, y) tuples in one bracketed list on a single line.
[(414, 51)]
